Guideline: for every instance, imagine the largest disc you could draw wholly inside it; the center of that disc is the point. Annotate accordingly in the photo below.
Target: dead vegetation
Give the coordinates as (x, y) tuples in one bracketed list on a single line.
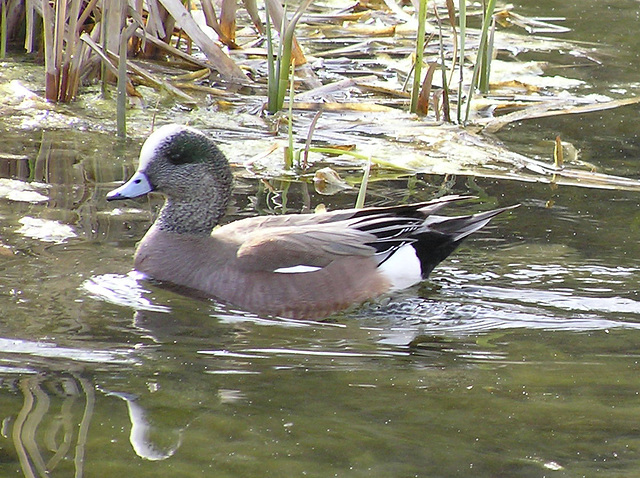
[(358, 69)]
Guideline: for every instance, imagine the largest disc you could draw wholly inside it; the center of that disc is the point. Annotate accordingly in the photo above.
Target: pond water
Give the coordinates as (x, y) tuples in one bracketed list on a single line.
[(518, 358)]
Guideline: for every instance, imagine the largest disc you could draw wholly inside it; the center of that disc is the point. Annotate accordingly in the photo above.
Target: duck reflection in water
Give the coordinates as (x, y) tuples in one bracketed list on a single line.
[(51, 430)]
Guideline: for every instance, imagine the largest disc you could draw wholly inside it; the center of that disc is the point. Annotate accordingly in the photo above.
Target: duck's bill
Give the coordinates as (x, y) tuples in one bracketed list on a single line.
[(138, 185)]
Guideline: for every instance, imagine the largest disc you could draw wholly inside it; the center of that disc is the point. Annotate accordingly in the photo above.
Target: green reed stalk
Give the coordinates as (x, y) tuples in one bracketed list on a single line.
[(288, 158), (445, 84), (274, 64), (485, 71), (121, 98), (482, 51), (272, 72), (3, 30), (287, 44), (417, 71), (362, 192), (278, 80), (462, 15)]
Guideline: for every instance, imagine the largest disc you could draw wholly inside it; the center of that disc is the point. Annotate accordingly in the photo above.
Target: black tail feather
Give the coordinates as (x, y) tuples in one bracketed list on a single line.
[(444, 234)]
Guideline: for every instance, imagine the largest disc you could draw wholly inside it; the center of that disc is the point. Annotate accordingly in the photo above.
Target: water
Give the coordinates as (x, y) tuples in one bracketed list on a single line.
[(518, 359)]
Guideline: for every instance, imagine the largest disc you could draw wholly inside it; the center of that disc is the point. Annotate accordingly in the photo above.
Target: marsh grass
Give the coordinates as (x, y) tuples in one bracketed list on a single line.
[(63, 29), (82, 41)]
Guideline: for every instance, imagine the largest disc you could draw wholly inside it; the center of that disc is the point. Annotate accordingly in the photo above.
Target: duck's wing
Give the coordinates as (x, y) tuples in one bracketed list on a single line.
[(302, 248), (304, 243)]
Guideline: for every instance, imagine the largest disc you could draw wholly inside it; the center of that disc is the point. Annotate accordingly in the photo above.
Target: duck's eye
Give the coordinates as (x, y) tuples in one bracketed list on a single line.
[(137, 181)]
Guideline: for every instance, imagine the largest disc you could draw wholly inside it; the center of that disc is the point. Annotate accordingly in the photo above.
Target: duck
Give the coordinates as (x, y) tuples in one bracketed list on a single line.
[(299, 266)]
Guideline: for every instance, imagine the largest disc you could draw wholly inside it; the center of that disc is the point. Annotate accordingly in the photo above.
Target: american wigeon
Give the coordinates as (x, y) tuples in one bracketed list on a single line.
[(298, 265)]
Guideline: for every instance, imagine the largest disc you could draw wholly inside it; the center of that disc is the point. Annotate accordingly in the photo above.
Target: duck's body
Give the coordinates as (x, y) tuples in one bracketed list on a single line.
[(300, 265)]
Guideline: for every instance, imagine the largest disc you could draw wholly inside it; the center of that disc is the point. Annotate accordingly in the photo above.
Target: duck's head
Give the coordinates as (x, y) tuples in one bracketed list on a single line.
[(180, 162)]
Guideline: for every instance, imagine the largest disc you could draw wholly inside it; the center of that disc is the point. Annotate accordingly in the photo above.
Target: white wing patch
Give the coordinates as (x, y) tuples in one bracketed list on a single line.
[(297, 269), (402, 268)]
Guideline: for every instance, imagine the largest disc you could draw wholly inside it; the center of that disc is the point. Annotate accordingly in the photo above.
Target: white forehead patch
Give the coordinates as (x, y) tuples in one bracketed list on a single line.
[(154, 141)]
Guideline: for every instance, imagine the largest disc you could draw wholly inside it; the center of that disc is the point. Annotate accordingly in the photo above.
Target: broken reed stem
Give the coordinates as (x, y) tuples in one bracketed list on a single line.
[(378, 162), (30, 27), (104, 69), (422, 108), (50, 75), (66, 55), (558, 155), (58, 40), (307, 144), (63, 52), (228, 21)]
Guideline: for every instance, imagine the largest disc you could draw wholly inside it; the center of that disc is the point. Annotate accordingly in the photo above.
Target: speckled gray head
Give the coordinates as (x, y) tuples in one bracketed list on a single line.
[(187, 167), (171, 146)]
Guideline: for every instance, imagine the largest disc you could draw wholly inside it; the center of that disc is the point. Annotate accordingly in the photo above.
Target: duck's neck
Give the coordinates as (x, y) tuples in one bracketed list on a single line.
[(198, 215)]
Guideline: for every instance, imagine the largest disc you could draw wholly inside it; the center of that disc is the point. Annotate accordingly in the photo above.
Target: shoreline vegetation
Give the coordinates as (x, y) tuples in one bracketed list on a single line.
[(442, 76)]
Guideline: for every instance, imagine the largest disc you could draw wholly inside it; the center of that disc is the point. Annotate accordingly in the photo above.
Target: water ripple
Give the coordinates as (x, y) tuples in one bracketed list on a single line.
[(51, 350), (537, 296), (122, 290)]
